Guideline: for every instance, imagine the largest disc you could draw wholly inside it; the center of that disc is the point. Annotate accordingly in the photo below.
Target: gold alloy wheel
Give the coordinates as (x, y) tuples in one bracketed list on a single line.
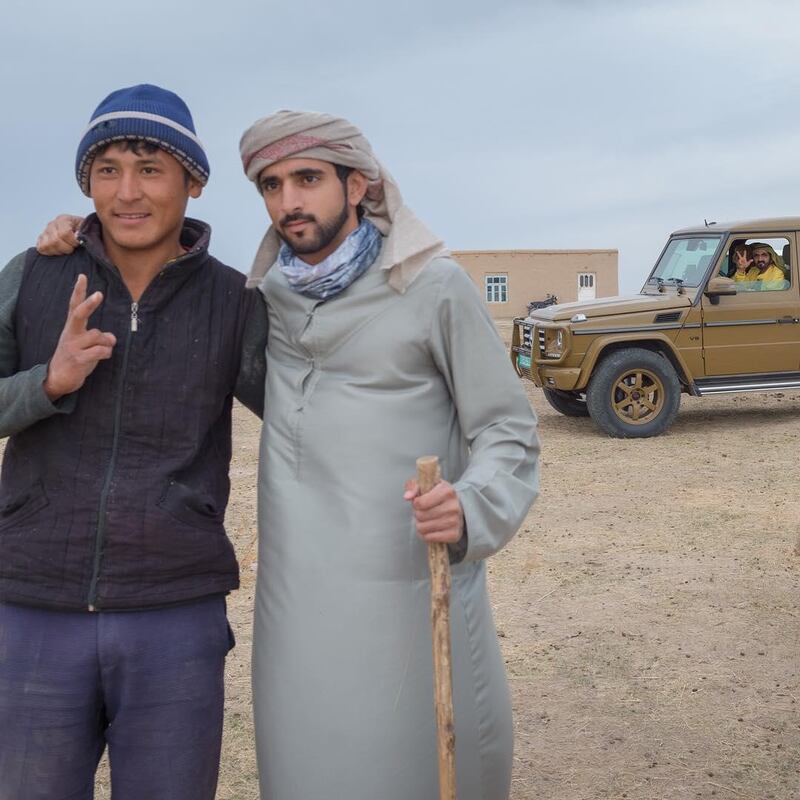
[(634, 393), (637, 397)]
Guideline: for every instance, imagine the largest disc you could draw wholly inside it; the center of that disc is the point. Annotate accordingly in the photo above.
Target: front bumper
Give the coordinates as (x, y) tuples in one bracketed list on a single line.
[(527, 355), (564, 378), (544, 375)]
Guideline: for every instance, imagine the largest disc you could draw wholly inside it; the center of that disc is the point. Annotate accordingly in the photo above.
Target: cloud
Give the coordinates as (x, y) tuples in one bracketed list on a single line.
[(511, 124)]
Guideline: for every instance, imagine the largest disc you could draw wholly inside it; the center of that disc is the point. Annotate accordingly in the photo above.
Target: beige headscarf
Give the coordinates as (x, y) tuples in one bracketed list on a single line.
[(408, 246), (773, 256)]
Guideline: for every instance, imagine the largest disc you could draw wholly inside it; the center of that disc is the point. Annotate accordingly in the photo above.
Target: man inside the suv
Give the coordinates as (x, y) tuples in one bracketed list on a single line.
[(771, 270), (757, 267)]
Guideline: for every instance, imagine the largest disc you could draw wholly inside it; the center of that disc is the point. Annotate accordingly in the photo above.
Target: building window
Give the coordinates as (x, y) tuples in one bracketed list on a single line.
[(496, 288)]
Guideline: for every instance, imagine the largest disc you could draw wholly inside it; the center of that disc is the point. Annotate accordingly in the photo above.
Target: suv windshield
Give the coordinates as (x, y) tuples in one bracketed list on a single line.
[(685, 262)]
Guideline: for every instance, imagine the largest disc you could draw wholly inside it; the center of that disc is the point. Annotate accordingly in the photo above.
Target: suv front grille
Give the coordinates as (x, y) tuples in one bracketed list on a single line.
[(541, 341), (526, 336)]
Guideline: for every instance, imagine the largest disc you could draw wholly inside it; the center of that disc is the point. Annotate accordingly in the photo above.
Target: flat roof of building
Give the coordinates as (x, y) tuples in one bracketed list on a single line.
[(530, 252)]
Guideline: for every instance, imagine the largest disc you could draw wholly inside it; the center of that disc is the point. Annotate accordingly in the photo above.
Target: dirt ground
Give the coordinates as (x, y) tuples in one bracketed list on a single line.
[(649, 610)]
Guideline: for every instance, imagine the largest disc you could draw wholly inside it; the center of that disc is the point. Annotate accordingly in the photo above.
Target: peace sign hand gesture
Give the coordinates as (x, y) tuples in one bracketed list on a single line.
[(79, 350), (743, 263)]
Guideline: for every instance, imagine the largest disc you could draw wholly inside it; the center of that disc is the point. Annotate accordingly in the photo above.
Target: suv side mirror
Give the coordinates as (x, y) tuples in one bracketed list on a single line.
[(719, 286)]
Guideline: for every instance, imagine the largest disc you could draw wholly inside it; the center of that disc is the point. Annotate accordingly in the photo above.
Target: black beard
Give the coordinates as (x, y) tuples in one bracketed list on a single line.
[(324, 234)]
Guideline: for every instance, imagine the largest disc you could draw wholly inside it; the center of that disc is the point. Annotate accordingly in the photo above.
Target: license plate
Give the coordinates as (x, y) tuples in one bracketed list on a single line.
[(524, 362)]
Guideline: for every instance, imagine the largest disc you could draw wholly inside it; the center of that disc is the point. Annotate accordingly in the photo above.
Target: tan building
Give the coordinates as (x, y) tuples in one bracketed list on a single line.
[(510, 279)]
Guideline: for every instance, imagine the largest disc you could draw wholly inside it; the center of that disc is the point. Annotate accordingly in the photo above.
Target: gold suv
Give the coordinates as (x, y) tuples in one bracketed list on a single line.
[(719, 313)]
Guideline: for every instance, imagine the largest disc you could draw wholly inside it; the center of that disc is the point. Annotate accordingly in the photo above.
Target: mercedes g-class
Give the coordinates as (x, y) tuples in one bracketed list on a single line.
[(719, 313)]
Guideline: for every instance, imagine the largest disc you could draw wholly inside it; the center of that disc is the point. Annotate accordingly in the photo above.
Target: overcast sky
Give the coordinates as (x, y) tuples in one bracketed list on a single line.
[(508, 125)]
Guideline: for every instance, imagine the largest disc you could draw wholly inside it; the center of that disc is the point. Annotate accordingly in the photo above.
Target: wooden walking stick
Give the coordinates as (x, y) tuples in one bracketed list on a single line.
[(428, 476)]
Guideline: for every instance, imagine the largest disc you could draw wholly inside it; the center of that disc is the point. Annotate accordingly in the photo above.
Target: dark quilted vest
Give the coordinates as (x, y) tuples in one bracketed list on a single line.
[(120, 503)]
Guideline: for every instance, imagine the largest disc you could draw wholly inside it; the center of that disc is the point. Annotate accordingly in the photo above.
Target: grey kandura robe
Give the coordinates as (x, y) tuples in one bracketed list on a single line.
[(357, 388)]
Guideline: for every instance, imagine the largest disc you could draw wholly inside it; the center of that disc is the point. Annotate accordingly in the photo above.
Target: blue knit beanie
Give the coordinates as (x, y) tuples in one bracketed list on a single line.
[(147, 113)]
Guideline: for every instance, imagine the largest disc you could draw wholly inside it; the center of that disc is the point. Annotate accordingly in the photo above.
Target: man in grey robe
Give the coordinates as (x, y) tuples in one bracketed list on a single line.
[(380, 350)]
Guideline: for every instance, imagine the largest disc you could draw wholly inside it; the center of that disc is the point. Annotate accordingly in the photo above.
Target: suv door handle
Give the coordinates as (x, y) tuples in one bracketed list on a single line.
[(788, 320)]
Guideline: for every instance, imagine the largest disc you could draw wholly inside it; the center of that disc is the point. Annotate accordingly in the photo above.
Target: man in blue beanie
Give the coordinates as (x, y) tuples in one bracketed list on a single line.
[(118, 367)]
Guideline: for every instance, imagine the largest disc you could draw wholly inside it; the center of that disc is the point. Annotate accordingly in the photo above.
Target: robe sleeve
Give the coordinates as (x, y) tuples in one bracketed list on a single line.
[(501, 479), (23, 401)]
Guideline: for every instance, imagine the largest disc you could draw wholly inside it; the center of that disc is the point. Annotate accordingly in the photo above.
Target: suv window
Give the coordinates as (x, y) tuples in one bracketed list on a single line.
[(758, 263), (685, 261)]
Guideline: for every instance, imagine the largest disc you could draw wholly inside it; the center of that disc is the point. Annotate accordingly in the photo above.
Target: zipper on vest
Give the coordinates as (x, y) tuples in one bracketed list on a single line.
[(101, 516), (134, 317)]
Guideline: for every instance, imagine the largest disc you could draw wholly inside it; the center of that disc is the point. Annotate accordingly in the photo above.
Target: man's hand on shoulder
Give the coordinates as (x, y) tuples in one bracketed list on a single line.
[(438, 513), (58, 238), (79, 350)]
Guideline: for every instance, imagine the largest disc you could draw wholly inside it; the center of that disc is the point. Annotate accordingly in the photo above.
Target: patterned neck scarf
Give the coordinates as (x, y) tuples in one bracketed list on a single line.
[(354, 256)]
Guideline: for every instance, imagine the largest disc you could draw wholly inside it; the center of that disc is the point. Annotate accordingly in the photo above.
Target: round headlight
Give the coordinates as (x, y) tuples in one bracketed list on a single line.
[(555, 339)]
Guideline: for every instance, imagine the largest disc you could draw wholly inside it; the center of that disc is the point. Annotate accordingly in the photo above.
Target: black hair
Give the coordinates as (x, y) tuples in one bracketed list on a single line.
[(138, 147), (342, 173)]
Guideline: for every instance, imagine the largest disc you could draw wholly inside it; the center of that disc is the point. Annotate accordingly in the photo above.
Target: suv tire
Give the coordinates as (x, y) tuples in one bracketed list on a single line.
[(566, 403), (634, 393)]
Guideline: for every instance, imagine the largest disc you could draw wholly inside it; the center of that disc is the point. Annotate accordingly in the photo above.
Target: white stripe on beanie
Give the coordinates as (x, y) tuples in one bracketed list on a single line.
[(144, 115)]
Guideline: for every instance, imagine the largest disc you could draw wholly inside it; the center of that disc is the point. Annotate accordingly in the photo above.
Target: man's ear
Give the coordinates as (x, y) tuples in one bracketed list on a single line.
[(356, 187), (195, 188)]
